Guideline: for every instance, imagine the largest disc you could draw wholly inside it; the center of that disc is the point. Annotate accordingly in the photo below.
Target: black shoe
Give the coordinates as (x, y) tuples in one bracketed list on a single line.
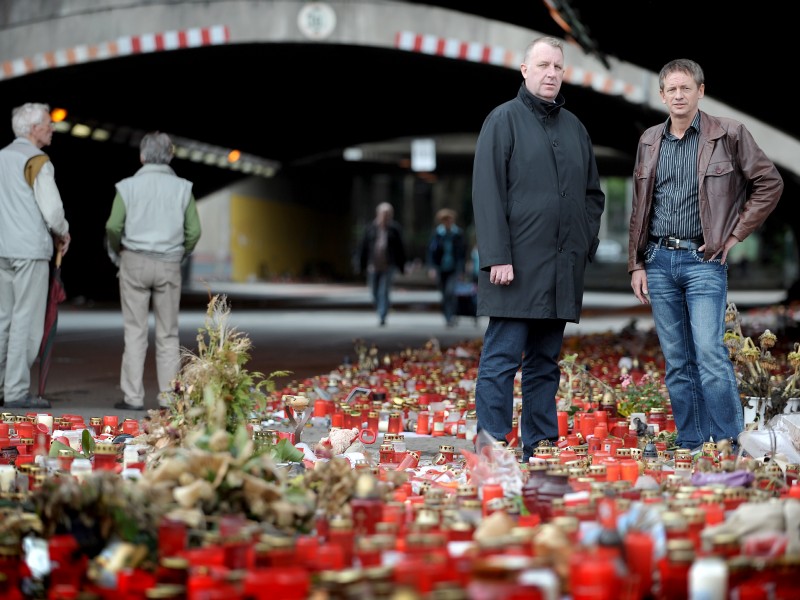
[(29, 401), (122, 405)]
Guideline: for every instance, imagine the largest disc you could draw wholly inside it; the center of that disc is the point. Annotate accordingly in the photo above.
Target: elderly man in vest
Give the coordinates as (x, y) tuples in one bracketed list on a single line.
[(153, 226), (31, 220)]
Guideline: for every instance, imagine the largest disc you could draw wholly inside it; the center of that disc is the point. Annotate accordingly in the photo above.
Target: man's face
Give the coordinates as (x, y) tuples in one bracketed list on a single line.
[(544, 71), (681, 94), (42, 133)]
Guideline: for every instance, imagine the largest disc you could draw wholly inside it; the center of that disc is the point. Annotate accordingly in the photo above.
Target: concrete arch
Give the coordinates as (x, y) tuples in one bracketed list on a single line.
[(189, 67), (40, 36)]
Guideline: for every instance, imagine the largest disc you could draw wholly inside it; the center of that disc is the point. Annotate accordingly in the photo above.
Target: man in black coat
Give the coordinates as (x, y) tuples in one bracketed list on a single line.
[(537, 203)]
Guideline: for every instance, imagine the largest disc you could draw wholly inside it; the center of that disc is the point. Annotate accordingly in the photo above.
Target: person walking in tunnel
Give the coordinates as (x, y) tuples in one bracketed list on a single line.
[(382, 254), (32, 222), (537, 202), (701, 185), (446, 258), (152, 227)]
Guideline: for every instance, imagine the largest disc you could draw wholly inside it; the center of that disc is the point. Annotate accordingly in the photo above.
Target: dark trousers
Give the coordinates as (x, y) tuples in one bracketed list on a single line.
[(535, 346)]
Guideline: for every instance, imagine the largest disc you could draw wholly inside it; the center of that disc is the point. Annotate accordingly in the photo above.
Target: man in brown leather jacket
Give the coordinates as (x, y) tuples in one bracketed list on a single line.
[(701, 185)]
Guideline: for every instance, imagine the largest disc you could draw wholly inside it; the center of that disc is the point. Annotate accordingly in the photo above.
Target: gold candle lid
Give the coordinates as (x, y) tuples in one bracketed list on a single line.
[(105, 448)]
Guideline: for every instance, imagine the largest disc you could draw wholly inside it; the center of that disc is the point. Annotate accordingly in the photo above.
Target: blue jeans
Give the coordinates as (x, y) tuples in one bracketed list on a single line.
[(508, 344), (688, 297), (447, 286), (380, 284)]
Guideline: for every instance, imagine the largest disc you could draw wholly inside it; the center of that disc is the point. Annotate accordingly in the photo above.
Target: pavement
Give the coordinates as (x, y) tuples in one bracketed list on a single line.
[(308, 329)]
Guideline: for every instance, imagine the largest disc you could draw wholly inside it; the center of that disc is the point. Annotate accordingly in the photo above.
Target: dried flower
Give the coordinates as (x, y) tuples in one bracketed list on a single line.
[(759, 373)]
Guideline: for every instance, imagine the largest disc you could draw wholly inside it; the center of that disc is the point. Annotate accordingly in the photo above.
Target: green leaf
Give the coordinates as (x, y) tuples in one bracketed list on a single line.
[(87, 443), (240, 437), (286, 452), (56, 447)]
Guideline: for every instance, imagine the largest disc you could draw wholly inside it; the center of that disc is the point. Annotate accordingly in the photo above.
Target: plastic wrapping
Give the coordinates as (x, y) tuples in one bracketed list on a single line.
[(781, 436), (494, 464)]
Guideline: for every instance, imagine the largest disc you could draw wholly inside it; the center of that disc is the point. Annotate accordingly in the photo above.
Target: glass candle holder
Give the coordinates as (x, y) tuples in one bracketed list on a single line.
[(105, 456), (563, 423), (341, 534), (110, 423), (130, 426), (172, 536), (96, 425), (395, 422), (386, 454), (8, 475), (489, 492), (437, 424), (45, 419), (470, 425), (423, 423), (80, 468)]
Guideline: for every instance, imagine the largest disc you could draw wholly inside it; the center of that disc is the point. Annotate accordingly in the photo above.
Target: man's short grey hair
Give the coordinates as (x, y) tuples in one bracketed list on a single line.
[(550, 41), (156, 147), (24, 117), (384, 207)]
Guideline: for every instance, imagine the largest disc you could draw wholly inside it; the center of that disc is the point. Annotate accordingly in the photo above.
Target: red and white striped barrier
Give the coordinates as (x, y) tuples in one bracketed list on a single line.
[(124, 46), (499, 56)]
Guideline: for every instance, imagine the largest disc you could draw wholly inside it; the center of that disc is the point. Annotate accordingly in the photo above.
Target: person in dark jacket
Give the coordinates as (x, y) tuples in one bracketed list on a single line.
[(537, 203), (701, 185), (382, 254), (447, 257)]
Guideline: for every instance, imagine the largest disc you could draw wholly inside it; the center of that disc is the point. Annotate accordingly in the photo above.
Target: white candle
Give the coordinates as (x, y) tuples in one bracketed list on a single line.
[(708, 579), (46, 420), (80, 468), (8, 474)]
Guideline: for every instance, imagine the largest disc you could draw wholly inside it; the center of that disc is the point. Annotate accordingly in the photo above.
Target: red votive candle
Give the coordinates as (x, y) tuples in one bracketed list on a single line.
[(341, 534), (24, 430), (588, 421), (639, 559), (490, 491), (613, 468), (563, 423), (423, 423), (629, 469), (111, 421), (395, 422), (601, 430), (130, 426), (171, 537)]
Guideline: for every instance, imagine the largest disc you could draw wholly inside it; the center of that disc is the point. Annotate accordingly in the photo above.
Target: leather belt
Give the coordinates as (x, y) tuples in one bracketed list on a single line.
[(673, 243)]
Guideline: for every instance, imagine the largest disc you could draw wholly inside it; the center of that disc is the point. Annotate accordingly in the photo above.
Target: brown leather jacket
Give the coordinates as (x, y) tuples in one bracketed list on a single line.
[(739, 185)]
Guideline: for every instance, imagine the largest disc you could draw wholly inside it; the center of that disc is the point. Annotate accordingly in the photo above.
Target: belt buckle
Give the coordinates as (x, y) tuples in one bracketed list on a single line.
[(673, 243)]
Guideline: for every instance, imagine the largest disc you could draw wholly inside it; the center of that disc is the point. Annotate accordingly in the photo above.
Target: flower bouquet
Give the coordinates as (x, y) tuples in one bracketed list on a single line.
[(764, 378)]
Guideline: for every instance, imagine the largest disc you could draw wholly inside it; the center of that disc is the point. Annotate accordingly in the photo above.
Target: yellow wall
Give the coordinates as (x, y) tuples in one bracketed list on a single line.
[(271, 240)]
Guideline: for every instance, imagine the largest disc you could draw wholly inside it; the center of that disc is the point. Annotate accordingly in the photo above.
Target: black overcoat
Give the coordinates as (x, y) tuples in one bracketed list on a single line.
[(537, 205)]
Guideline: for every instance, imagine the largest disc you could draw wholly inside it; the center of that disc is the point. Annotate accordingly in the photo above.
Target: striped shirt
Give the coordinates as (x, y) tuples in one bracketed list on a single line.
[(676, 208)]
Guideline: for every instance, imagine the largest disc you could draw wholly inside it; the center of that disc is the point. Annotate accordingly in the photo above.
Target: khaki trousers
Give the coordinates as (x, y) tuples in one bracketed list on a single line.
[(23, 299), (142, 279)]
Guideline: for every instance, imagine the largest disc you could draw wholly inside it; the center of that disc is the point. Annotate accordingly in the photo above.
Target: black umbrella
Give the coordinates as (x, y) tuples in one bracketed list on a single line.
[(55, 296)]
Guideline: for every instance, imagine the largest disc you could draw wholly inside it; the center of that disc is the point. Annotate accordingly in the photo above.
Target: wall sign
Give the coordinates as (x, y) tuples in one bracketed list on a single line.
[(316, 20)]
